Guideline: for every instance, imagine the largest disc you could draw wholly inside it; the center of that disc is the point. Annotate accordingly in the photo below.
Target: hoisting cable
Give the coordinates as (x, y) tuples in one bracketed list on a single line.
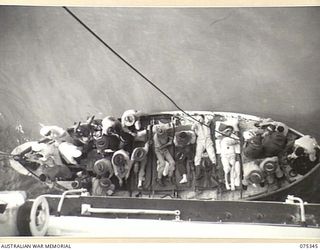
[(136, 70)]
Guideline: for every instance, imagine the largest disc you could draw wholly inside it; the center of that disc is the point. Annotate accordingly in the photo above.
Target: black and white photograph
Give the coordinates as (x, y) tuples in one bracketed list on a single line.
[(160, 122)]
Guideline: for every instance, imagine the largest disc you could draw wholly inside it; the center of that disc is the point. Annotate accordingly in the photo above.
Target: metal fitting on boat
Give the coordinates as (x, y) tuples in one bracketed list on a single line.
[(82, 190), (291, 200)]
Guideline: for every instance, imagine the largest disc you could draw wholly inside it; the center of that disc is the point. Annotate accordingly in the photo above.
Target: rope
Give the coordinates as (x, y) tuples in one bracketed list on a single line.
[(136, 70)]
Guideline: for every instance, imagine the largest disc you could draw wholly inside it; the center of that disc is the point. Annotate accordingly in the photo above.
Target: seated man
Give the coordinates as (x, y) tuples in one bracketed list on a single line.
[(103, 167), (107, 144), (130, 121), (184, 141), (102, 187), (229, 145), (253, 148), (273, 141), (277, 126), (139, 159), (304, 154), (112, 127), (266, 142), (121, 165), (203, 143), (162, 141), (82, 132), (110, 140)]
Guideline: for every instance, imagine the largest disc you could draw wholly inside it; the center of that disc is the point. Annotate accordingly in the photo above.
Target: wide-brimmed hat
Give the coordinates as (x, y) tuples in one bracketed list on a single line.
[(101, 142), (120, 158), (128, 120), (105, 182), (102, 166), (269, 164), (256, 176), (184, 138), (138, 154)]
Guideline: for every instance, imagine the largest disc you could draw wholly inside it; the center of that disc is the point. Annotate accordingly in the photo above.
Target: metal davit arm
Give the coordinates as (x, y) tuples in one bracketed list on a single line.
[(291, 199), (86, 209), (64, 195)]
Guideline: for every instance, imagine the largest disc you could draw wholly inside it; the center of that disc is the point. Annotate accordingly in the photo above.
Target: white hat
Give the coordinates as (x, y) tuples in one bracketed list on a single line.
[(128, 120), (129, 117)]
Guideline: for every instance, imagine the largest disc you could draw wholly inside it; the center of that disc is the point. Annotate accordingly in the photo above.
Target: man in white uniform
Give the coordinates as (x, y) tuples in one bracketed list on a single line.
[(204, 142)]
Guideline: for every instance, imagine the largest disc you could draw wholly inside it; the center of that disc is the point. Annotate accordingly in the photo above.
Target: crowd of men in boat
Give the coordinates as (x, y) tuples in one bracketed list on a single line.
[(115, 143)]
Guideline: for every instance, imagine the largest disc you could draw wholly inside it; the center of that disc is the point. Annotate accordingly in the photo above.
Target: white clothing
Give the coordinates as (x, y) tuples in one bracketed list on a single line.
[(52, 132), (203, 145), (69, 152)]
